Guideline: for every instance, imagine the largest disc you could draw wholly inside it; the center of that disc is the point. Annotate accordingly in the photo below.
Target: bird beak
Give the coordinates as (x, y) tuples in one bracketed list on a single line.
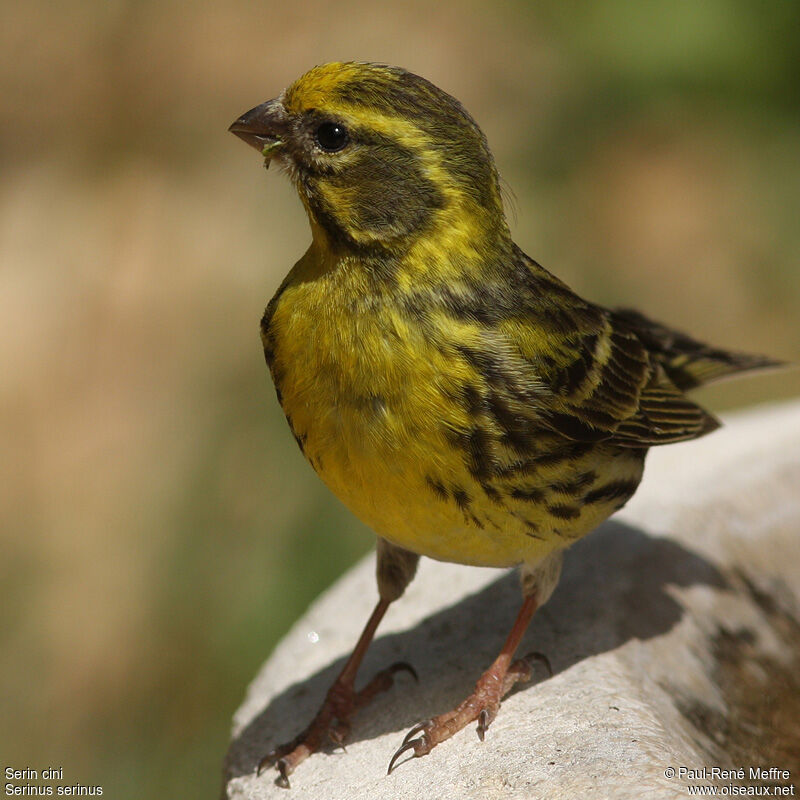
[(263, 127)]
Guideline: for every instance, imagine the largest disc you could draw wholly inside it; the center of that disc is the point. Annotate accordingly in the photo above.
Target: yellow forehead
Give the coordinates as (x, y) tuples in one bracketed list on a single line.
[(317, 87)]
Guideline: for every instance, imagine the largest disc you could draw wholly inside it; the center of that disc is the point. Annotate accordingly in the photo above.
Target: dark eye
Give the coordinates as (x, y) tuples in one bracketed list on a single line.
[(331, 136)]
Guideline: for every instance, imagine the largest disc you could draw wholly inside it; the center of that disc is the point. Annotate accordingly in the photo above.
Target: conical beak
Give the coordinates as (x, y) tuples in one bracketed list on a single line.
[(263, 127)]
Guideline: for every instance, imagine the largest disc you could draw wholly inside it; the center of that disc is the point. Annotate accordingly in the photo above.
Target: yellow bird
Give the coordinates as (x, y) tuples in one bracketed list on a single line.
[(458, 398)]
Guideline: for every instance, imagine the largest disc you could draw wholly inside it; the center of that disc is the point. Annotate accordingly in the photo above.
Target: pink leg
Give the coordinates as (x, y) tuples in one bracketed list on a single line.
[(484, 703), (342, 701)]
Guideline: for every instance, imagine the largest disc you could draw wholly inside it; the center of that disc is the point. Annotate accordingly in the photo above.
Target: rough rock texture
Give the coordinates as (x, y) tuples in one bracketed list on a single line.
[(673, 636)]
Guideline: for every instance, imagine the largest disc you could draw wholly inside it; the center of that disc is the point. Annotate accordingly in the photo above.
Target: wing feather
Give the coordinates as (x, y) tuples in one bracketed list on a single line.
[(575, 368), (604, 383)]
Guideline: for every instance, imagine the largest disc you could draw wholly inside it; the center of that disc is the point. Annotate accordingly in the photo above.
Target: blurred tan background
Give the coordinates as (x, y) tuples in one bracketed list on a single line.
[(160, 529)]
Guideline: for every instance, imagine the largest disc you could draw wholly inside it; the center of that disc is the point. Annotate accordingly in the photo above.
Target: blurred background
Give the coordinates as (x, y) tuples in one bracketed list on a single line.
[(160, 529)]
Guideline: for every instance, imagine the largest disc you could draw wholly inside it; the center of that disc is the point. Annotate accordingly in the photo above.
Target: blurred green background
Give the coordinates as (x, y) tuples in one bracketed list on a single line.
[(160, 529)]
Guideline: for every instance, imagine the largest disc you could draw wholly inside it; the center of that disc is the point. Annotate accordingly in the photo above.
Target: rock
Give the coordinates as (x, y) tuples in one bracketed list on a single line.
[(673, 637)]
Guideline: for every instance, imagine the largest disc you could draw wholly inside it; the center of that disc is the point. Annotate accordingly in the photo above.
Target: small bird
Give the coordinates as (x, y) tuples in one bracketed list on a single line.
[(458, 398)]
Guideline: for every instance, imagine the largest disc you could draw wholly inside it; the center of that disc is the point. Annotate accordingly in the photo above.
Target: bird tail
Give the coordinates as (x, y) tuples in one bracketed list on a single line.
[(687, 362)]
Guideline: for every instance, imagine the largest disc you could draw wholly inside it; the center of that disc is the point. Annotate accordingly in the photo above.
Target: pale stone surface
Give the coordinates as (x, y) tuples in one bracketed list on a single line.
[(697, 579)]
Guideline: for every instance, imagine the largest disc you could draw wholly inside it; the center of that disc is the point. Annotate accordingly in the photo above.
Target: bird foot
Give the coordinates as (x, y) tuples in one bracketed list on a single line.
[(482, 705), (332, 722)]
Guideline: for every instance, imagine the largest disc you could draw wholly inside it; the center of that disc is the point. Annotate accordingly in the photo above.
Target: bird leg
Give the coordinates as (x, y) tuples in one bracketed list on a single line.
[(341, 702), (395, 569), (484, 703)]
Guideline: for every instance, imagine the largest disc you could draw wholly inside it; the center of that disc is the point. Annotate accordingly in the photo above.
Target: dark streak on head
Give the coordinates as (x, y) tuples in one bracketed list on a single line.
[(453, 133)]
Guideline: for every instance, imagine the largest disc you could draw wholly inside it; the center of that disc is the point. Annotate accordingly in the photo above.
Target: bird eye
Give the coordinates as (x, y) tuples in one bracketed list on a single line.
[(332, 137)]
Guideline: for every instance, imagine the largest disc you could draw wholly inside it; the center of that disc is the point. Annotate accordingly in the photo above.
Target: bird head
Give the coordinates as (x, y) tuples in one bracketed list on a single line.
[(378, 155)]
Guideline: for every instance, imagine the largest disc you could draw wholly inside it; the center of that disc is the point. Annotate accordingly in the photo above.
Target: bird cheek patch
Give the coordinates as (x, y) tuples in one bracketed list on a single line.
[(382, 198)]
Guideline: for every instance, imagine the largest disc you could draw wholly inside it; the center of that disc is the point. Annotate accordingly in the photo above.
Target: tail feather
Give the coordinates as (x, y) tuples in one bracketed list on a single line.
[(687, 362)]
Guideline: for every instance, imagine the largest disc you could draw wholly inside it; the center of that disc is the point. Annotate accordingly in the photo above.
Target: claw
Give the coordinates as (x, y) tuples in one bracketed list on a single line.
[(268, 760), (418, 728), (404, 748), (283, 779), (334, 720), (542, 658), (410, 743), (483, 704), (403, 666), (483, 723), (337, 736)]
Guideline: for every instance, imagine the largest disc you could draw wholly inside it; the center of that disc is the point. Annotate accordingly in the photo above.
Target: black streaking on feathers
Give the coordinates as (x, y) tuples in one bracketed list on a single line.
[(438, 487), (461, 497), (473, 399), (564, 451), (574, 428), (530, 494), (611, 491), (463, 148), (576, 485), (494, 371), (267, 334), (563, 511), (491, 493), (517, 432), (574, 375), (688, 362), (480, 461), (298, 437), (532, 530)]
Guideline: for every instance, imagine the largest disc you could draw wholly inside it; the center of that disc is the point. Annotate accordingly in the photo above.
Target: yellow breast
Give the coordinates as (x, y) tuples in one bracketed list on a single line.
[(377, 404)]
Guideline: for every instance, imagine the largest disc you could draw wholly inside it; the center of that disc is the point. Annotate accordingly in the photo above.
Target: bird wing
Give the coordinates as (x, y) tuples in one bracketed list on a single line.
[(613, 389), (596, 379), (688, 362)]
